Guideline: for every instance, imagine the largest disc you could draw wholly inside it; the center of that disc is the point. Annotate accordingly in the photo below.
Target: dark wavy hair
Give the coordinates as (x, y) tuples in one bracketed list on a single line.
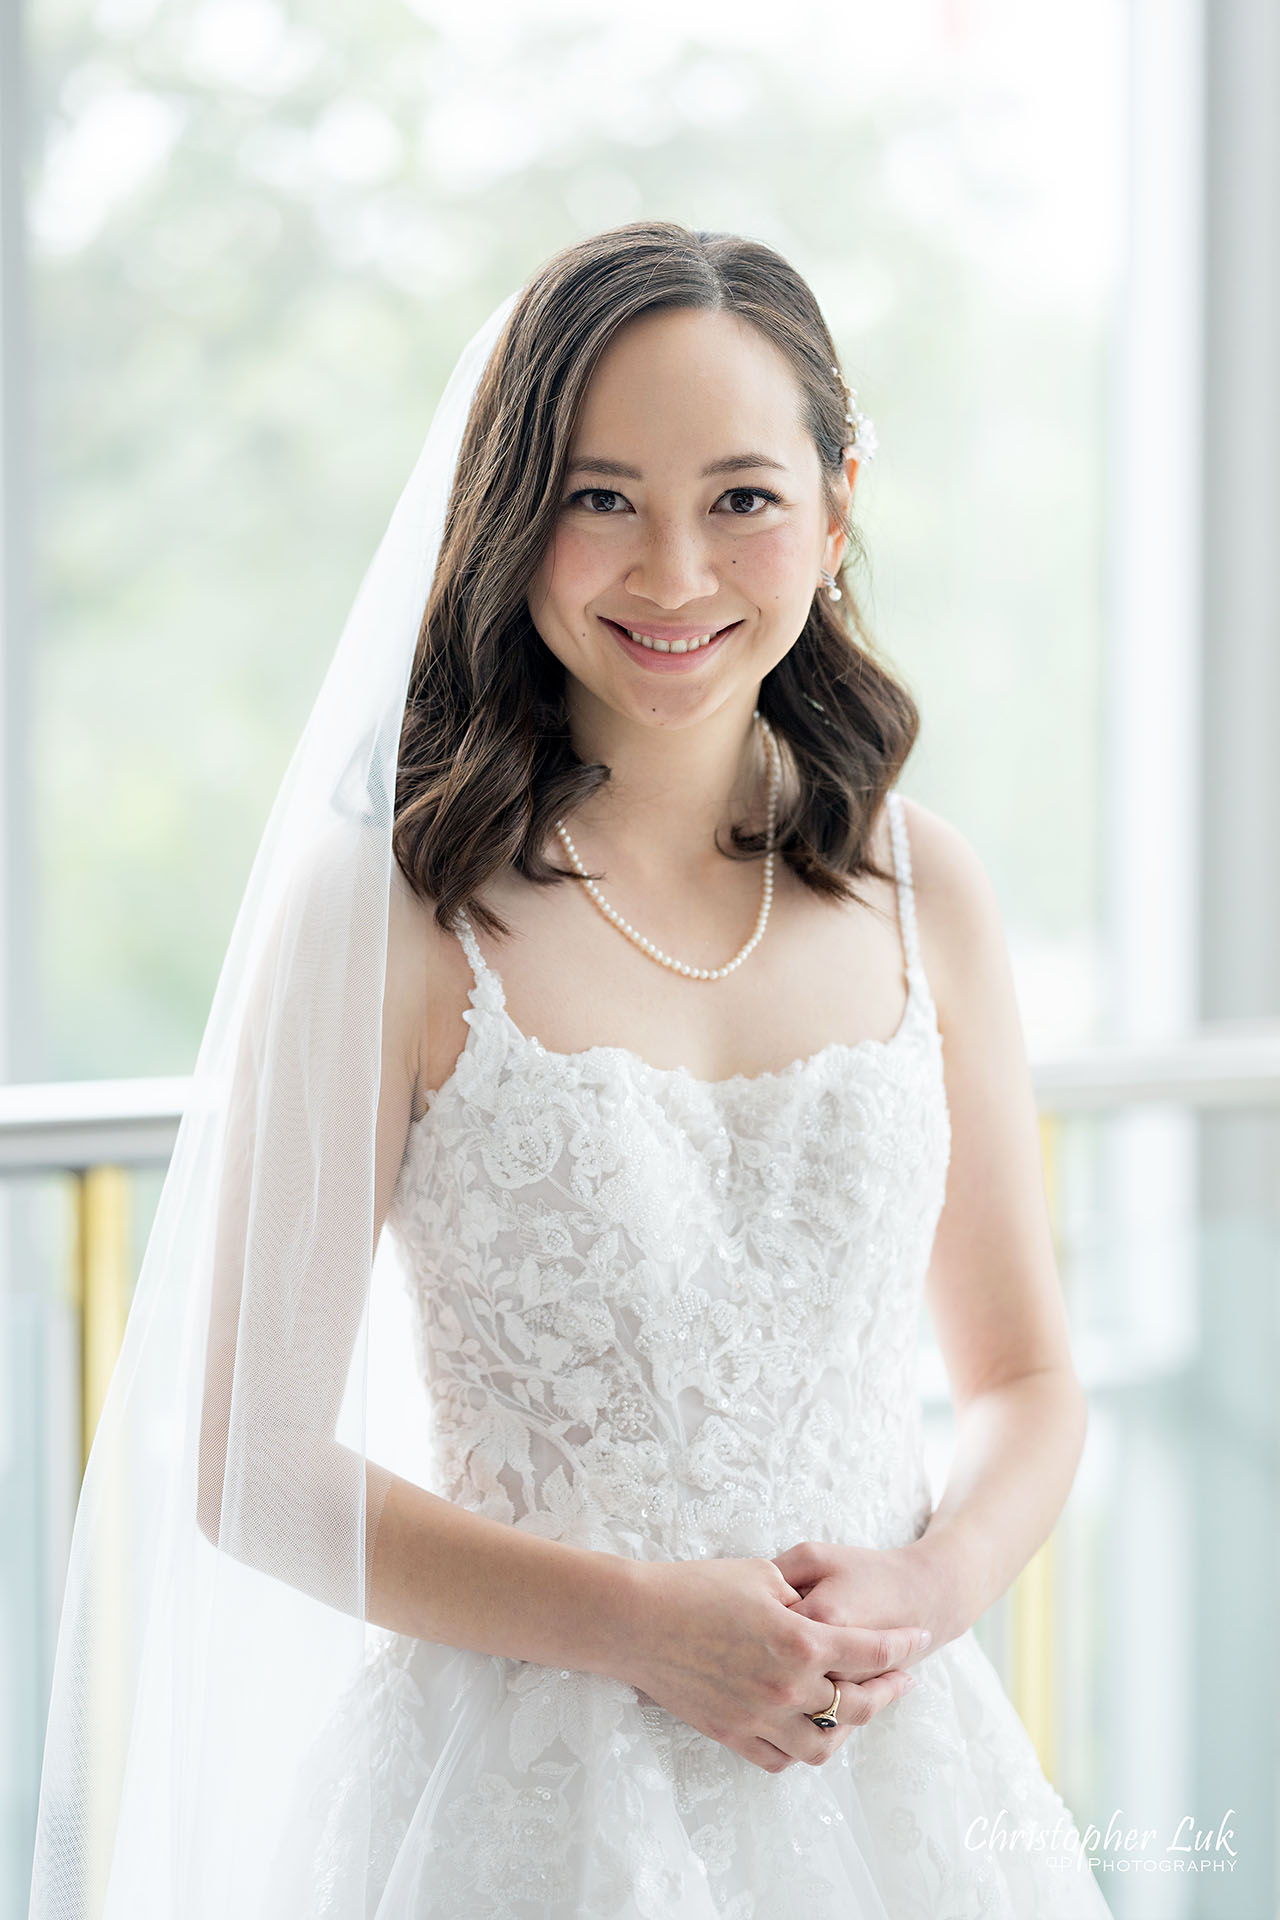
[(486, 765)]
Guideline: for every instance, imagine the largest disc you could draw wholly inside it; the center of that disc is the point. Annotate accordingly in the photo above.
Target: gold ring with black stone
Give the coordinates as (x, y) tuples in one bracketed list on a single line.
[(827, 1718)]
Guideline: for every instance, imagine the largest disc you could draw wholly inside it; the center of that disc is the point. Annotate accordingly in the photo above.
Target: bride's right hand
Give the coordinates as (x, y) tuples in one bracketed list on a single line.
[(715, 1643)]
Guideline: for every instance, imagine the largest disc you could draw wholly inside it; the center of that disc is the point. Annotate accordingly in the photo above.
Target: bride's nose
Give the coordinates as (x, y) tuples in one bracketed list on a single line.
[(672, 567)]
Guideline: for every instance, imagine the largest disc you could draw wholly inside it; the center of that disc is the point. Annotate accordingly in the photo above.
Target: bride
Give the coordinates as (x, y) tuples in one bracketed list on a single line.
[(689, 1067)]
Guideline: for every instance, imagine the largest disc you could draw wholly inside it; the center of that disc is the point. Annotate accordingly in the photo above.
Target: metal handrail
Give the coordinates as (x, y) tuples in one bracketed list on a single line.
[(54, 1126), (1224, 1063), (60, 1126)]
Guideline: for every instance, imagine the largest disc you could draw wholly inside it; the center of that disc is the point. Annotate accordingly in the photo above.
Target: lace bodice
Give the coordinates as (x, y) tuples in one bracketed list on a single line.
[(675, 1317)]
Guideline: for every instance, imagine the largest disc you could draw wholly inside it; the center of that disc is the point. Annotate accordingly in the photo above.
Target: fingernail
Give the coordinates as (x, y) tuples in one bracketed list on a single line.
[(910, 1683), (925, 1637)]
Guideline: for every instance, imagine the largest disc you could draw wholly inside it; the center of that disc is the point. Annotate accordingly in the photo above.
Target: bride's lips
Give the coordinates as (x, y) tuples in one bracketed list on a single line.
[(665, 662)]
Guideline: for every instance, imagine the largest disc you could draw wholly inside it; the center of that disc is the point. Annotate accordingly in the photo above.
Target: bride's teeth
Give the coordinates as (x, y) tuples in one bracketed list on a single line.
[(670, 646)]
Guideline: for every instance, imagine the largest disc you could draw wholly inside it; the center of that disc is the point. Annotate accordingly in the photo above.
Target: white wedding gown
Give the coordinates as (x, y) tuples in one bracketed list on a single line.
[(672, 1318)]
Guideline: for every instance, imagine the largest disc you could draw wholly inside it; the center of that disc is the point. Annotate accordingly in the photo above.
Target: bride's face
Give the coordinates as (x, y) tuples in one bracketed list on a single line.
[(692, 506)]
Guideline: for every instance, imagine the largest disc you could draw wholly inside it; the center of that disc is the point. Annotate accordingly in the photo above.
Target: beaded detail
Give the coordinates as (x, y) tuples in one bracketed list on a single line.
[(766, 897)]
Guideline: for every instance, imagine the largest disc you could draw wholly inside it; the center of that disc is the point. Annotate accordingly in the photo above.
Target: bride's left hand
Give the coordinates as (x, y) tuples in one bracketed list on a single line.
[(846, 1586)]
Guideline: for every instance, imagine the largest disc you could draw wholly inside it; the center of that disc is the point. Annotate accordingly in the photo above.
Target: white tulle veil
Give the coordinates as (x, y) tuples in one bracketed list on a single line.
[(214, 1610)]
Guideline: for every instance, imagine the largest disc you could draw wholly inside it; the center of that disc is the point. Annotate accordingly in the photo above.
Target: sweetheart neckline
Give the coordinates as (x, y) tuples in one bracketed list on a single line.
[(916, 997)]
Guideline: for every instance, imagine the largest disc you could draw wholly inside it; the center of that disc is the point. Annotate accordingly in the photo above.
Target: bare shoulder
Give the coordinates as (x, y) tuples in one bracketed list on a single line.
[(410, 944), (957, 909), (405, 982), (428, 978), (944, 863)]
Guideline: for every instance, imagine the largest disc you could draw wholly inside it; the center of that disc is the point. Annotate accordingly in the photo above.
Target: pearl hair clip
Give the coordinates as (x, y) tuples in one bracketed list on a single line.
[(864, 442)]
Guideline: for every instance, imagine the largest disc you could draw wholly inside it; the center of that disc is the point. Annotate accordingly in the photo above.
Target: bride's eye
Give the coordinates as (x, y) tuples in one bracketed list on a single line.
[(751, 493), (593, 494), (596, 494)]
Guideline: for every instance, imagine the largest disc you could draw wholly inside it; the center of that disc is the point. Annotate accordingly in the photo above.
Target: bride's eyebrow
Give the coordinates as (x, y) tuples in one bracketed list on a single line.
[(731, 463)]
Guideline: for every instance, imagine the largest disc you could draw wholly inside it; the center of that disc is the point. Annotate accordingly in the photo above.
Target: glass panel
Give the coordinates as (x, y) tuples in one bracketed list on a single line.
[(39, 1481), (1165, 1565)]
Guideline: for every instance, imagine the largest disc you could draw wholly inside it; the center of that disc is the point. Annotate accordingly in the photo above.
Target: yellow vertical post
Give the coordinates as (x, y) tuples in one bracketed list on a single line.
[(104, 1264), (102, 1280), (1035, 1692), (1033, 1654)]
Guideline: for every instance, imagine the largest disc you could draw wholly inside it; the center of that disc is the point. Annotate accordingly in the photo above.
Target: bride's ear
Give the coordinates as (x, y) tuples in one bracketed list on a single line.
[(849, 477), (844, 483)]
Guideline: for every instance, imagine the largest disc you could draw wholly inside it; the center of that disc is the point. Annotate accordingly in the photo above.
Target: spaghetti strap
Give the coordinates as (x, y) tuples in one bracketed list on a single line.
[(487, 981), (906, 889)]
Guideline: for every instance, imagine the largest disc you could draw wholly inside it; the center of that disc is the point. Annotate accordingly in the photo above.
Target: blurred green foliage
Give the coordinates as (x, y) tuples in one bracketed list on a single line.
[(237, 354)]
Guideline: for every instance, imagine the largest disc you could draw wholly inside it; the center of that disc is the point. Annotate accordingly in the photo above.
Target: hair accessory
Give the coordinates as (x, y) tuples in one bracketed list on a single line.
[(864, 442)]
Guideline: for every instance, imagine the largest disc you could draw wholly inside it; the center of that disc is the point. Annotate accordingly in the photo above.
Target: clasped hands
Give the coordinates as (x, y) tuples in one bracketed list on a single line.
[(745, 1649), (872, 1588)]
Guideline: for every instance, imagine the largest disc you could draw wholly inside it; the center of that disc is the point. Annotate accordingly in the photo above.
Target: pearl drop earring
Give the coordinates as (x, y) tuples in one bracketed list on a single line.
[(829, 582)]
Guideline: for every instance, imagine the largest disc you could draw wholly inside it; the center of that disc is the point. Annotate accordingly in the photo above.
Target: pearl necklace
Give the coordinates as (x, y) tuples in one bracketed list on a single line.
[(766, 899)]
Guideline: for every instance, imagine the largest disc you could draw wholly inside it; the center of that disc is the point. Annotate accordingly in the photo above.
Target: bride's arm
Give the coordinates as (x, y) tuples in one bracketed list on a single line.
[(994, 1294), (290, 1275)]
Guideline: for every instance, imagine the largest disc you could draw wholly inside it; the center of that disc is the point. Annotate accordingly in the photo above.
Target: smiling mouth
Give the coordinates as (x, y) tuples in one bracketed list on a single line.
[(670, 646)]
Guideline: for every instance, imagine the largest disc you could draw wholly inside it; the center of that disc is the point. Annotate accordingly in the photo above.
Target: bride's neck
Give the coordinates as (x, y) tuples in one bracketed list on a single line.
[(672, 792)]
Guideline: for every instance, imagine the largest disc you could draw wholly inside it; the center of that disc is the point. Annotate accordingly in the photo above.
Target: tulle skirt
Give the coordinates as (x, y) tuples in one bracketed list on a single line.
[(482, 1788)]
